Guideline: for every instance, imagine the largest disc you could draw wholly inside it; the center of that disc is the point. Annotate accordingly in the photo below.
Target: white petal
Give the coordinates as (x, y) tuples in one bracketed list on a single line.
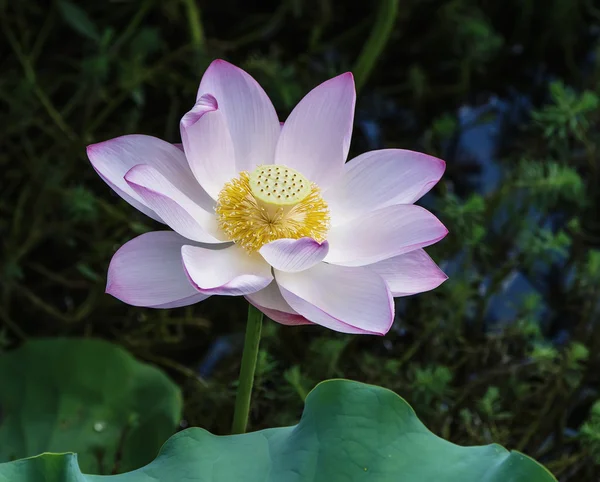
[(250, 115), (294, 254), (230, 271), (113, 158), (410, 273), (381, 178), (350, 300), (382, 234), (271, 303), (208, 145), (177, 210), (316, 136), (148, 271)]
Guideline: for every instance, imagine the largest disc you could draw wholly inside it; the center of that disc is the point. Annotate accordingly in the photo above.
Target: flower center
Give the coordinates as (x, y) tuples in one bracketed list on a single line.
[(272, 202)]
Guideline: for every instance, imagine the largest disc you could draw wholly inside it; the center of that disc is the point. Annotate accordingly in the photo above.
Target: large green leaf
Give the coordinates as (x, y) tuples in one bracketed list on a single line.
[(349, 432), (85, 396)]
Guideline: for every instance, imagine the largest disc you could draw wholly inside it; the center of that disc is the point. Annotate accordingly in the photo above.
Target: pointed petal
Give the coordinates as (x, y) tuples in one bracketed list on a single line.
[(294, 255), (230, 271), (173, 206), (208, 145), (349, 300), (271, 303), (113, 158), (410, 273), (147, 271), (316, 136), (250, 115), (382, 178), (382, 234)]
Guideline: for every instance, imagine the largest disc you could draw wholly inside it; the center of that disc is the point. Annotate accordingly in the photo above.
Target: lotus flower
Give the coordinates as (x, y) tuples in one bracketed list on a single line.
[(272, 211)]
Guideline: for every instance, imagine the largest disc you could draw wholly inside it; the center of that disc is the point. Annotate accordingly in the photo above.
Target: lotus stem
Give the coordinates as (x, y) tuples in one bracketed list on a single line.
[(247, 370)]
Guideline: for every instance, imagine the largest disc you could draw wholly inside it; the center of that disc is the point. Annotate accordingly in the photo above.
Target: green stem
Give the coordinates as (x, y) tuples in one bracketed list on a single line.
[(379, 37), (246, 380), (195, 25)]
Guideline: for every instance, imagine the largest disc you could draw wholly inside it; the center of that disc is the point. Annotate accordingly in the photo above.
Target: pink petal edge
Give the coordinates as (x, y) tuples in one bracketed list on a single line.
[(382, 234), (410, 273), (248, 111), (288, 319), (294, 255), (208, 145), (381, 178), (175, 208), (227, 272), (315, 138), (346, 299), (147, 271)]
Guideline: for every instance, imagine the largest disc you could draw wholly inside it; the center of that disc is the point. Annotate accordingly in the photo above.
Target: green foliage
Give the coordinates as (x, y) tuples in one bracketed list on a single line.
[(490, 405), (348, 431), (466, 216), (544, 246), (78, 19), (590, 432), (444, 126), (431, 383), (84, 396), (544, 355), (380, 36), (577, 354), (81, 204), (475, 36), (568, 116), (549, 182)]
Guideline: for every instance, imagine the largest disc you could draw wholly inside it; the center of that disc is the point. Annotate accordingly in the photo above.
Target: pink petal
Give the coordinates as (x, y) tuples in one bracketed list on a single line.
[(113, 158), (190, 300), (410, 273), (316, 136), (147, 271), (382, 178), (250, 115), (271, 303), (294, 255), (349, 300), (208, 145), (230, 271), (172, 205), (382, 234)]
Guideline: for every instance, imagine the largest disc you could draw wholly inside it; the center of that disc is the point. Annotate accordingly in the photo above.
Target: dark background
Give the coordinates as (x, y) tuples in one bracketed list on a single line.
[(506, 91)]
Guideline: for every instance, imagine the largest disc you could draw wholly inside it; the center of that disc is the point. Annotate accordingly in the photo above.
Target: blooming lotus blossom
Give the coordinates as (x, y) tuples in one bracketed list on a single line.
[(272, 211)]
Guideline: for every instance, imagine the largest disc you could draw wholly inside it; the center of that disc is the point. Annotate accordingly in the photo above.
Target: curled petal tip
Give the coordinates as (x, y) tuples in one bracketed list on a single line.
[(131, 175), (205, 103)]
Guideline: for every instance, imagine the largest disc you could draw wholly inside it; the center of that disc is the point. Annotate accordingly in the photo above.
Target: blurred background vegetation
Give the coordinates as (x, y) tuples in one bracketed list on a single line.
[(506, 91)]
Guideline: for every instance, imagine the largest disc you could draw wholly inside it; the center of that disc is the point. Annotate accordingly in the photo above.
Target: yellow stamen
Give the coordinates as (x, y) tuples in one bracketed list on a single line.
[(270, 203)]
